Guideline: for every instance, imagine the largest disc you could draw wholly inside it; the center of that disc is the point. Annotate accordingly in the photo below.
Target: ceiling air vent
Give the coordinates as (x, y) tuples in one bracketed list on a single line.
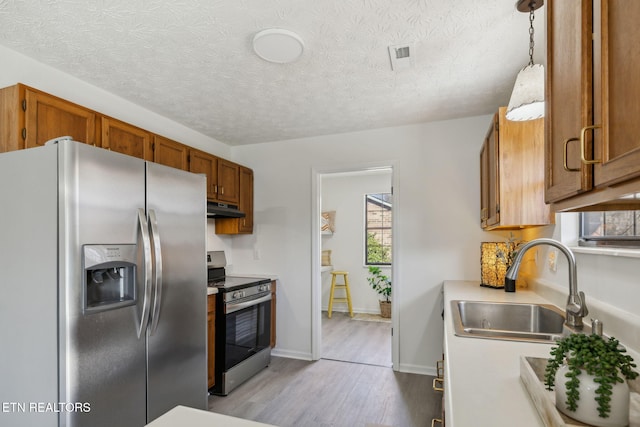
[(400, 56)]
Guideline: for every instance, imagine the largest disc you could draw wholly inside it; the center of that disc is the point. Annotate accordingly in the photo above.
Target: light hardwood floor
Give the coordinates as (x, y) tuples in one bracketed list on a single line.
[(358, 341), (297, 393), (333, 393)]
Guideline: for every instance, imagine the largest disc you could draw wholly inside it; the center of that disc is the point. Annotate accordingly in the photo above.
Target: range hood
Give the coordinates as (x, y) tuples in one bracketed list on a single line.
[(223, 210)]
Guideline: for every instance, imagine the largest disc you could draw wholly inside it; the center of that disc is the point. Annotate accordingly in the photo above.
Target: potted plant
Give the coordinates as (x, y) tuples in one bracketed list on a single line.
[(587, 372), (382, 285)]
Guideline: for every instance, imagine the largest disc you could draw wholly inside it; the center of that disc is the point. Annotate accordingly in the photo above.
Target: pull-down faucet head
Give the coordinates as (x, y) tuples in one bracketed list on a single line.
[(576, 304)]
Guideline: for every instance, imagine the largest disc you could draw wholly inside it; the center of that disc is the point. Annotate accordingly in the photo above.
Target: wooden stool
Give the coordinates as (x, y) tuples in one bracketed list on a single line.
[(344, 286)]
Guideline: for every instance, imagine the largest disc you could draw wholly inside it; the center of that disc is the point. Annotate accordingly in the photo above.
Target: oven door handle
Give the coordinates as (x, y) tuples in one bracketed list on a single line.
[(233, 307)]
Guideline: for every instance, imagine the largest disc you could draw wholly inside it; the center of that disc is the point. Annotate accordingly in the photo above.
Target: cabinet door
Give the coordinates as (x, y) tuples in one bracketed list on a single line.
[(240, 225), (617, 90), (490, 178), (170, 153), (246, 200), (49, 117), (484, 184), (11, 118), (228, 181), (125, 138), (200, 162), (211, 340), (521, 172), (568, 97)]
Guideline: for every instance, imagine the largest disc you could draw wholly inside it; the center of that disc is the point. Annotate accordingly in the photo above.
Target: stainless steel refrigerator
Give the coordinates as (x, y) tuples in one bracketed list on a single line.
[(102, 288)]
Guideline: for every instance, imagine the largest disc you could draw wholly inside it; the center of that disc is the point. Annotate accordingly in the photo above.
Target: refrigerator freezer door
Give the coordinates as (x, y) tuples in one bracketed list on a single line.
[(102, 360), (177, 367), (28, 312)]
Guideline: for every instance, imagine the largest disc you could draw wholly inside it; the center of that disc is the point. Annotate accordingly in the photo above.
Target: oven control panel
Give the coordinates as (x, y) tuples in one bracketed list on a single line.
[(248, 292)]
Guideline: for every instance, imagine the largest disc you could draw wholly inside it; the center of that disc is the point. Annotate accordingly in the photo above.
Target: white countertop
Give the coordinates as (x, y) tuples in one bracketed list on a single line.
[(181, 416), (211, 290), (483, 386)]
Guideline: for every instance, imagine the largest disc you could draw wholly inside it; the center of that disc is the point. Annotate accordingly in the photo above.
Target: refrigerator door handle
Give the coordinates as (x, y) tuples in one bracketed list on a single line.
[(146, 245), (157, 271)]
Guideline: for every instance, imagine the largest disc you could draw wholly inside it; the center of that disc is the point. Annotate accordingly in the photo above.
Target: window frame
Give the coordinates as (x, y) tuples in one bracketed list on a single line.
[(386, 199), (612, 241)]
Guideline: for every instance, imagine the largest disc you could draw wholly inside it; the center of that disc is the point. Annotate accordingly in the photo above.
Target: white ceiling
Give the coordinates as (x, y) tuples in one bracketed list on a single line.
[(192, 60)]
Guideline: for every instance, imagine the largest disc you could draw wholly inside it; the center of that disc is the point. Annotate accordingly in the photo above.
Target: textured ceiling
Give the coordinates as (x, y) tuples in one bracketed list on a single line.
[(192, 60)]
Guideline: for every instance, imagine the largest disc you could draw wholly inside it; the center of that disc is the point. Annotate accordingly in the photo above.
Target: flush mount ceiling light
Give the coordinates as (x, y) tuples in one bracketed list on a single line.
[(278, 45), (527, 98)]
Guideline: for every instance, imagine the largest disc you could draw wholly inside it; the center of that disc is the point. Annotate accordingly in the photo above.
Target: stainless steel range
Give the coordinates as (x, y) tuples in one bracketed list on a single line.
[(243, 325)]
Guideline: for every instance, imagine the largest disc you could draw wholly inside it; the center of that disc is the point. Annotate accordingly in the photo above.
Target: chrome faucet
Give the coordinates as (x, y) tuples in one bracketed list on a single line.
[(576, 304)]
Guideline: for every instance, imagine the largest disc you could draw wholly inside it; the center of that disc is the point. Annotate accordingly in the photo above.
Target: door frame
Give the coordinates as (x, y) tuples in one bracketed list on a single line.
[(316, 249)]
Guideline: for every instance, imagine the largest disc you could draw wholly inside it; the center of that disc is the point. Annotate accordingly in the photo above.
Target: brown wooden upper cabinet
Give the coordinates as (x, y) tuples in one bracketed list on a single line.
[(240, 225), (125, 138), (205, 163), (170, 153), (228, 182), (489, 204), (30, 118), (223, 176), (592, 89), (512, 174)]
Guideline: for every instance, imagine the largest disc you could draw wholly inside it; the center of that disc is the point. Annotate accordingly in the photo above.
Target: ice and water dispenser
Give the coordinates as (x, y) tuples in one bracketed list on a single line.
[(109, 277)]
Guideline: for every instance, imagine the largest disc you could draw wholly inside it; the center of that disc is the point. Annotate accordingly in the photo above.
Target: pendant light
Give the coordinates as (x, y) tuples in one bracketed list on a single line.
[(527, 98)]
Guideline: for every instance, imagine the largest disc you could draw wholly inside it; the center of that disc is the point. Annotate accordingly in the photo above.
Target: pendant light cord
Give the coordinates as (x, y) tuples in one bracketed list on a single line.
[(531, 42)]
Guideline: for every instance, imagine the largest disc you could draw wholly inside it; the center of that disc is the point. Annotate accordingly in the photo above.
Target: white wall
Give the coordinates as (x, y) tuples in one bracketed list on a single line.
[(17, 68), (344, 193), (438, 233), (609, 279)]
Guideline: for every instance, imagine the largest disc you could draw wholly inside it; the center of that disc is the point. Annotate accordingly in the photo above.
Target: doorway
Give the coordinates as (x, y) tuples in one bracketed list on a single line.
[(366, 338)]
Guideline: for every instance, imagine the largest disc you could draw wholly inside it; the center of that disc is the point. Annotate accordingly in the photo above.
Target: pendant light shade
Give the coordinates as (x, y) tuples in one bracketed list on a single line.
[(527, 98)]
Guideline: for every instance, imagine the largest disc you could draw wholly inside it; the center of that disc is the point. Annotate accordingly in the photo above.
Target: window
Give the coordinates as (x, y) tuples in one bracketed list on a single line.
[(378, 214), (610, 228)]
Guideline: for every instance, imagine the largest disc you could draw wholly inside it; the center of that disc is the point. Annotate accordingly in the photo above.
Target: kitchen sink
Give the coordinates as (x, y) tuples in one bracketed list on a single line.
[(508, 321)]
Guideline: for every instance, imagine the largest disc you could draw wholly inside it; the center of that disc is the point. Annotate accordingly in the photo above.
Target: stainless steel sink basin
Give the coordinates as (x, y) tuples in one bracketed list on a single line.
[(508, 321)]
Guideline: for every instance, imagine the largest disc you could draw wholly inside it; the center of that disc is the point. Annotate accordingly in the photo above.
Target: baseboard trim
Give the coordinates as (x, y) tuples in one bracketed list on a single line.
[(355, 310), (290, 354), (404, 367)]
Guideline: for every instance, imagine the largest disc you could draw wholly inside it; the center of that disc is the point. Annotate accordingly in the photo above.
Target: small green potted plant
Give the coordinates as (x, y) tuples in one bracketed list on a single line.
[(587, 371), (382, 285)]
